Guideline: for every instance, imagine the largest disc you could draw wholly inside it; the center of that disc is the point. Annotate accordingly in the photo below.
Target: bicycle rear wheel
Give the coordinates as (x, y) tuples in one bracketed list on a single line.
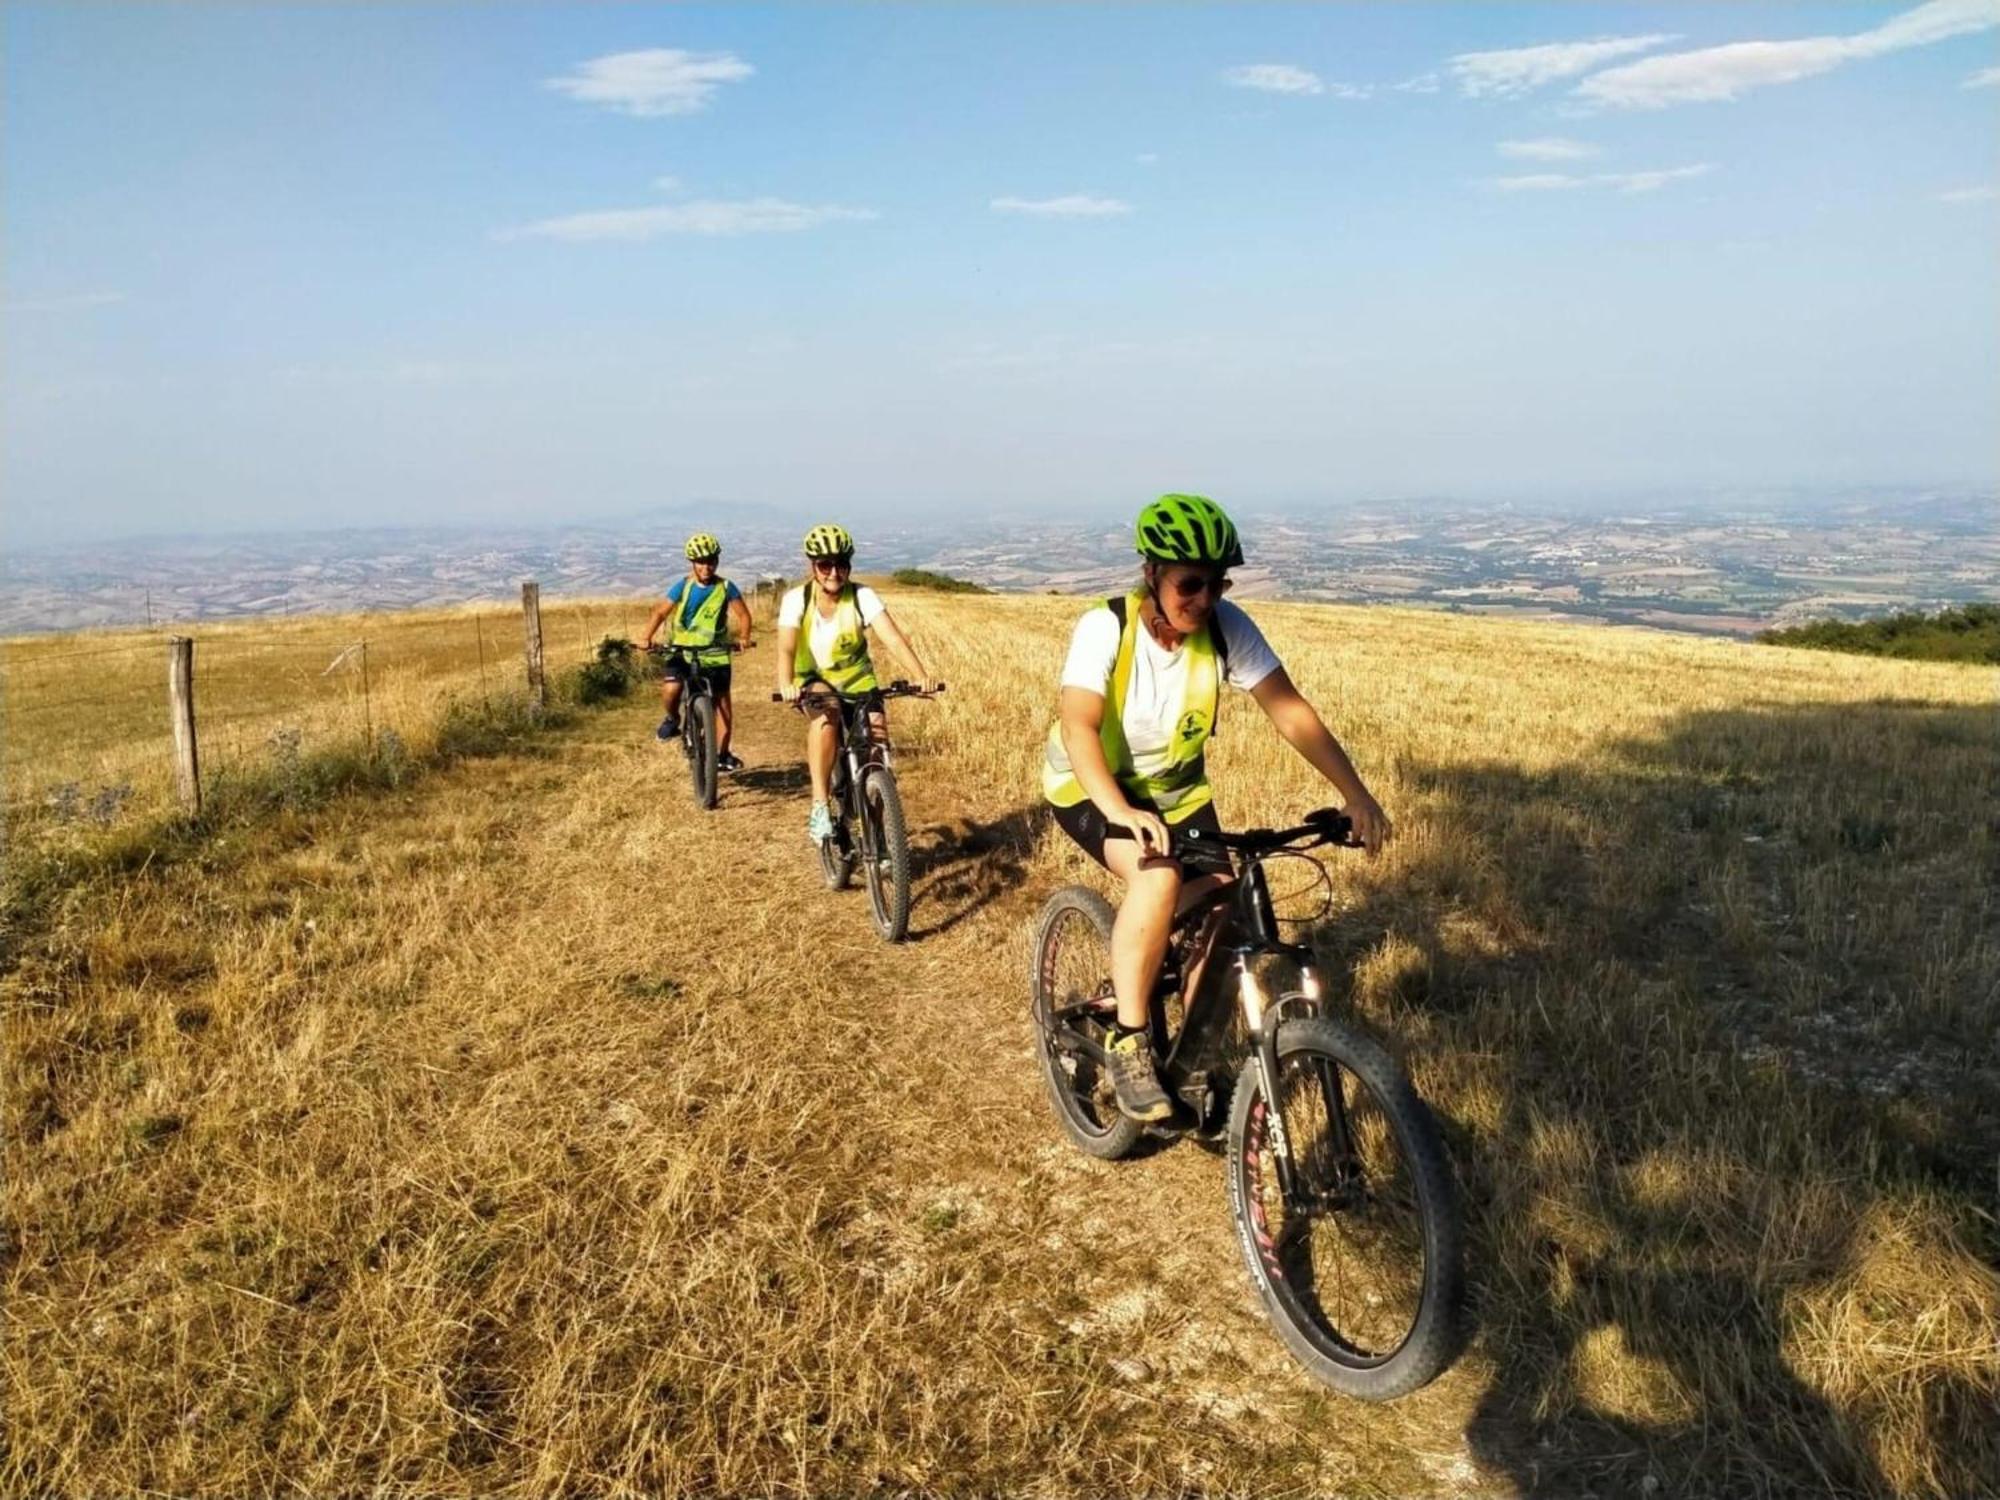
[(885, 853), (701, 748), (1358, 1266), (1071, 981)]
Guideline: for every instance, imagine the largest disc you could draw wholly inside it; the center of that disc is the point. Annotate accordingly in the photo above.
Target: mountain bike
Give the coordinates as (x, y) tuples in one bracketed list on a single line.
[(1343, 1200), (868, 827), (698, 712)]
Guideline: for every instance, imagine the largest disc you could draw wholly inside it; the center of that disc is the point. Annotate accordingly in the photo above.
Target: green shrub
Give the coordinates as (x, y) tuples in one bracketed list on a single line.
[(609, 674), (1969, 633), (943, 583)]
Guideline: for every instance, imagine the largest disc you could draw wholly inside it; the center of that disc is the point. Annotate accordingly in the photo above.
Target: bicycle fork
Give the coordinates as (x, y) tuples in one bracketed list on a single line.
[(1264, 1018)]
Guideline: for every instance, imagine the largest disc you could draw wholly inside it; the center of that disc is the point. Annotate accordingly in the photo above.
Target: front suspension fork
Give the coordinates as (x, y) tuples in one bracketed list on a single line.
[(1265, 1016)]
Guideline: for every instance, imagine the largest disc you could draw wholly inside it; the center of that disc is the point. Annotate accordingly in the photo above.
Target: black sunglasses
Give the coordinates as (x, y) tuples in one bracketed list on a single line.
[(832, 564), (1190, 584)]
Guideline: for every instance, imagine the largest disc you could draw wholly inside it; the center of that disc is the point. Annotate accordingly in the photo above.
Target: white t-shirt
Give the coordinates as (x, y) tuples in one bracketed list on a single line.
[(1159, 676), (821, 633)]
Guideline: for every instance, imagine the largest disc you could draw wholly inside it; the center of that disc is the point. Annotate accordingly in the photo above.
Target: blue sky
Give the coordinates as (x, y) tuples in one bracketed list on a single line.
[(278, 267)]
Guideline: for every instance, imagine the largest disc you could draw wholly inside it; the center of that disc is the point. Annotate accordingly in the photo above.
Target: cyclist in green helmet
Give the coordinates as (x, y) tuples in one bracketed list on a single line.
[(706, 609), (1140, 690), (823, 627)]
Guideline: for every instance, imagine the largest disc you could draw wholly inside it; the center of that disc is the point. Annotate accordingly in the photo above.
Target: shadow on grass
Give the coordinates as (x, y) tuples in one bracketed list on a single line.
[(959, 868), (1710, 1019)]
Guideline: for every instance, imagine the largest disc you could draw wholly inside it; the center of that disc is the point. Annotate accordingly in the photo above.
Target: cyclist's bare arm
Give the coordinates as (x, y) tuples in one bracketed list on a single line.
[(1082, 716), (788, 646), (658, 618), (891, 632), (744, 626), (1303, 729)]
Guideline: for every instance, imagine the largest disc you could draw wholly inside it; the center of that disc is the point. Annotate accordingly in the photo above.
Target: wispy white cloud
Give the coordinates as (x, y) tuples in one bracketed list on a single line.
[(1549, 148), (1423, 83), (1985, 78), (74, 302), (1518, 70), (1617, 182), (704, 216), (1351, 90), (656, 81), (1275, 78), (1069, 206), (1969, 195), (1713, 74)]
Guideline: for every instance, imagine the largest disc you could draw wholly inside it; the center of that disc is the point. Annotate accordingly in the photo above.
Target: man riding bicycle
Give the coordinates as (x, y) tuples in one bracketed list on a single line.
[(1157, 658), (706, 609), (823, 650)]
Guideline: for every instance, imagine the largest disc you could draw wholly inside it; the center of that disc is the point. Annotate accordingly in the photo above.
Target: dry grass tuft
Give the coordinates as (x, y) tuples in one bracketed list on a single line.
[(519, 1129)]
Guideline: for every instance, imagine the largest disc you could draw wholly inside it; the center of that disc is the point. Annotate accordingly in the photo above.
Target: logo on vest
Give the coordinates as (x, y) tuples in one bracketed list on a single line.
[(1193, 724)]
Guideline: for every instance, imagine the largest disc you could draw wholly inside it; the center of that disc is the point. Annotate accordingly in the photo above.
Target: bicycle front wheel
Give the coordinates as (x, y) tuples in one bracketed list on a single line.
[(1358, 1264), (885, 853), (701, 749)]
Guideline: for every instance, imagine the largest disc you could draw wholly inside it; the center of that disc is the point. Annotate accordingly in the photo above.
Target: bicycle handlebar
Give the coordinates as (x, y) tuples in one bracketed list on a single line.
[(896, 689), (664, 648), (1329, 825)]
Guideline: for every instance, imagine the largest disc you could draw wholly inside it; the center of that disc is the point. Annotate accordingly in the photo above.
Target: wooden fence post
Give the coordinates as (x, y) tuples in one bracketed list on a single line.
[(180, 708), (531, 617)]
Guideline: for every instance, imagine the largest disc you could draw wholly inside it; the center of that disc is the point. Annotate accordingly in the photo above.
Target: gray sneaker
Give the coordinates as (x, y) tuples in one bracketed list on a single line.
[(1140, 1096)]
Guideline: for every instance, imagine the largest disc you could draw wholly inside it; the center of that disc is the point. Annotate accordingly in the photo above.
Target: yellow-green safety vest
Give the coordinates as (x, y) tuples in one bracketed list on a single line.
[(848, 668), (703, 626), (1173, 779)]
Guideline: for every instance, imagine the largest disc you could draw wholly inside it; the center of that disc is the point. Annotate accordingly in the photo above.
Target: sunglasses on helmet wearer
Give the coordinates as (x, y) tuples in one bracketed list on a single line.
[(1215, 585), (833, 564)]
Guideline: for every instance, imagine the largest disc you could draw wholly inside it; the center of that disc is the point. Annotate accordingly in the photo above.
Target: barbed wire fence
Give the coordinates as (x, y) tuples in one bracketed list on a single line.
[(90, 733)]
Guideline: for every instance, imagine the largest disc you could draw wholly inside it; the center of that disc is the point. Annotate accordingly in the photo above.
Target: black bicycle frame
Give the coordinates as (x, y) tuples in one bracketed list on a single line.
[(1239, 911), (697, 680)]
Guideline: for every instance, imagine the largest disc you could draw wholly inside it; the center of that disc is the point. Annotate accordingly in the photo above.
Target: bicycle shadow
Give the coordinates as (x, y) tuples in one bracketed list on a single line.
[(1666, 1081), (959, 868)]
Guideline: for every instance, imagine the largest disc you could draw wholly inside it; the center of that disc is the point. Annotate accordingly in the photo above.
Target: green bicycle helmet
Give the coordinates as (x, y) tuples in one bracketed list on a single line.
[(702, 547), (829, 541), (1188, 529)]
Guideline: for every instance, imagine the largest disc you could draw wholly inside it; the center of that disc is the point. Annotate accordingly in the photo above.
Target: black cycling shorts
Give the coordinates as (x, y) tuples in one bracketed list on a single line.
[(1086, 825), (677, 670), (872, 700)]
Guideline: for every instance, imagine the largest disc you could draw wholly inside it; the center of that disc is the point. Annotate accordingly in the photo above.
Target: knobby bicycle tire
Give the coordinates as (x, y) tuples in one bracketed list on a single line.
[(1372, 1225), (702, 752), (885, 850), (1071, 961)]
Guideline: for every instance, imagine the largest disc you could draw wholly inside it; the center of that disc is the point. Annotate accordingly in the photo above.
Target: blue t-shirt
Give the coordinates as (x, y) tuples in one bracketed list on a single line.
[(701, 593)]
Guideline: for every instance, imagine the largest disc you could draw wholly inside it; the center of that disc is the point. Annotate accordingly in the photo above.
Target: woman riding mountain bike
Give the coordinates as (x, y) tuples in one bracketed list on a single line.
[(1140, 689), (823, 627)]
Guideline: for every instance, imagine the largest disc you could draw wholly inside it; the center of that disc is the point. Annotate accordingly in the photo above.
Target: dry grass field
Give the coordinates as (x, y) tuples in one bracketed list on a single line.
[(519, 1129)]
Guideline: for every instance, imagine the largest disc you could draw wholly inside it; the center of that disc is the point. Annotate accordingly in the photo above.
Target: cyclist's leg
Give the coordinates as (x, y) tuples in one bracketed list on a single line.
[(724, 707), (1145, 912), (822, 737), (1139, 933), (670, 699)]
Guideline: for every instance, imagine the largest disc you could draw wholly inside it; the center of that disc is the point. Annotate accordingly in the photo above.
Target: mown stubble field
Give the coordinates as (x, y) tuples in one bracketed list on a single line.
[(520, 1129)]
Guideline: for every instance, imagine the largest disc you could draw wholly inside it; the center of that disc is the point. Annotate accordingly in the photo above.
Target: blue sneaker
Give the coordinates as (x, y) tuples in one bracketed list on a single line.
[(670, 729), (819, 824)]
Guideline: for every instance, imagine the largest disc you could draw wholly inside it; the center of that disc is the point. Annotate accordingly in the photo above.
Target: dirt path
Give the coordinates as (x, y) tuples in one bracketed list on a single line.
[(1136, 1260)]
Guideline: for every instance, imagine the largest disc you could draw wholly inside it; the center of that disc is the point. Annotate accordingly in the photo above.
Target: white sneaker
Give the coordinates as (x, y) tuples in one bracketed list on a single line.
[(819, 823)]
